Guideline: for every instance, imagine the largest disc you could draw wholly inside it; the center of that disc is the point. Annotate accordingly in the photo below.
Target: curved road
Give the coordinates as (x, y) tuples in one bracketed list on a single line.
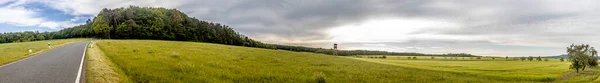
[(58, 65)]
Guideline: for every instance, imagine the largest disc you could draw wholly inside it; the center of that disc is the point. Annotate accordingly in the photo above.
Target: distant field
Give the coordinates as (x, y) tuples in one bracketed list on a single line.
[(190, 62), (486, 67), (10, 52)]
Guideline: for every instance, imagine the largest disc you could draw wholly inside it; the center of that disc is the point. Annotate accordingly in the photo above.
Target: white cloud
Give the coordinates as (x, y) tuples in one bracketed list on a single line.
[(16, 14), (393, 30)]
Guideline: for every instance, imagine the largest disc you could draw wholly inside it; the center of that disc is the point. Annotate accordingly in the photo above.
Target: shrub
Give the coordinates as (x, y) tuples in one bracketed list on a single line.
[(562, 59), (432, 57), (546, 59), (408, 58), (383, 57), (478, 58), (414, 58)]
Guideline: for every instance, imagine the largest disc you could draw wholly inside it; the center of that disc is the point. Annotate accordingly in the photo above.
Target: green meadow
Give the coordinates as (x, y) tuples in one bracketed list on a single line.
[(185, 62), (10, 52), (510, 69)]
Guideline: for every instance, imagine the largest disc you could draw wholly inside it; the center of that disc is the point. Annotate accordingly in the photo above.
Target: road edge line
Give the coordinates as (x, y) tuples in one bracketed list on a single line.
[(77, 80)]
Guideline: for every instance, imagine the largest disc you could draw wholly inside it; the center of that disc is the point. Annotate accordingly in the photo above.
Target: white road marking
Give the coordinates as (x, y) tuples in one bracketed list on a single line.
[(81, 64)]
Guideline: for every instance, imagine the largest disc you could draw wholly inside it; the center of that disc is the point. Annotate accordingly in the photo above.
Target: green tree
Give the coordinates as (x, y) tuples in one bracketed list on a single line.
[(581, 56)]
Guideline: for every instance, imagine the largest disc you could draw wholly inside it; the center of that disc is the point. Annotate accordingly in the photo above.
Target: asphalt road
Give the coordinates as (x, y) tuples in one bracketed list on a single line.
[(59, 65)]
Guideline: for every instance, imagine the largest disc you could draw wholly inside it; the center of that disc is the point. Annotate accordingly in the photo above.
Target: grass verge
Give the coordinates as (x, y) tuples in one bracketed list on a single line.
[(99, 69)]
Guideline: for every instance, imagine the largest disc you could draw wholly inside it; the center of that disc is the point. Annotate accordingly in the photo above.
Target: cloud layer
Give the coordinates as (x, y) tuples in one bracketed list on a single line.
[(482, 27)]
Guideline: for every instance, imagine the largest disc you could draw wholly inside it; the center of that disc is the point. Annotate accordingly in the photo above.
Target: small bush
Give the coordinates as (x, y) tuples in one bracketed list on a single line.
[(408, 57), (546, 59), (320, 80), (432, 57), (414, 58), (383, 57), (562, 59), (478, 58)]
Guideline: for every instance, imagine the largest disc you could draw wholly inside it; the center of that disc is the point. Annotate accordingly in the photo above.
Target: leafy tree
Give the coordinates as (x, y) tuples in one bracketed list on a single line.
[(581, 56), (562, 60), (530, 58), (539, 58)]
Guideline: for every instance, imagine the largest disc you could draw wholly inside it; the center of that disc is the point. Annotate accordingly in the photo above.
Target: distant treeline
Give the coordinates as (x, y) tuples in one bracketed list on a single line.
[(362, 52), (168, 24), (73, 32)]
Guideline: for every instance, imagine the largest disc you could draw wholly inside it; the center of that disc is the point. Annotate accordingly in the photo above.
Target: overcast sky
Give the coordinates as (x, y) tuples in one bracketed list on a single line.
[(481, 27)]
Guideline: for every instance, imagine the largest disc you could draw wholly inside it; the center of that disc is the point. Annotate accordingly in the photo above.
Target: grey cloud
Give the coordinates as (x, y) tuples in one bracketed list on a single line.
[(505, 24)]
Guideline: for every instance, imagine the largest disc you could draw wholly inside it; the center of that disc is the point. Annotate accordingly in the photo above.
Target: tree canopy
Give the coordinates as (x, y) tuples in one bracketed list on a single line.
[(582, 56)]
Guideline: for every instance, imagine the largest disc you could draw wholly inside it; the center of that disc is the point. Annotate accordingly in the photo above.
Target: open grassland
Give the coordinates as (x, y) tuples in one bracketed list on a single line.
[(501, 68), (190, 62), (10, 52)]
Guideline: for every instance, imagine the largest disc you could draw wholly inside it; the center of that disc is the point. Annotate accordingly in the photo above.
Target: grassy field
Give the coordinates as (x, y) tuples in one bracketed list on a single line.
[(541, 71), (10, 52), (185, 62)]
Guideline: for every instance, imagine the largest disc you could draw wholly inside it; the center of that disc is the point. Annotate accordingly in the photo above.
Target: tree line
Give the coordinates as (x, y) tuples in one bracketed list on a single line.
[(26, 36), (362, 52)]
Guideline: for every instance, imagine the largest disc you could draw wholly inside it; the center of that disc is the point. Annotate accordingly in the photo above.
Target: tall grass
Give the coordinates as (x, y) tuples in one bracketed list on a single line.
[(190, 62)]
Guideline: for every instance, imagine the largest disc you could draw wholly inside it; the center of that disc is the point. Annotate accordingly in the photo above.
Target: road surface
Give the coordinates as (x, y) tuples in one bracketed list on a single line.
[(58, 65)]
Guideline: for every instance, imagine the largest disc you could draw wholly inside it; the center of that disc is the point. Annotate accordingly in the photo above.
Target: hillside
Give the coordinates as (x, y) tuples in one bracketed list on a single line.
[(173, 61)]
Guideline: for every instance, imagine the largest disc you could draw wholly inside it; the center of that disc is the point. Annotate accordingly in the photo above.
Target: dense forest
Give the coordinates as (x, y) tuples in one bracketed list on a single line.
[(165, 24), (169, 24)]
